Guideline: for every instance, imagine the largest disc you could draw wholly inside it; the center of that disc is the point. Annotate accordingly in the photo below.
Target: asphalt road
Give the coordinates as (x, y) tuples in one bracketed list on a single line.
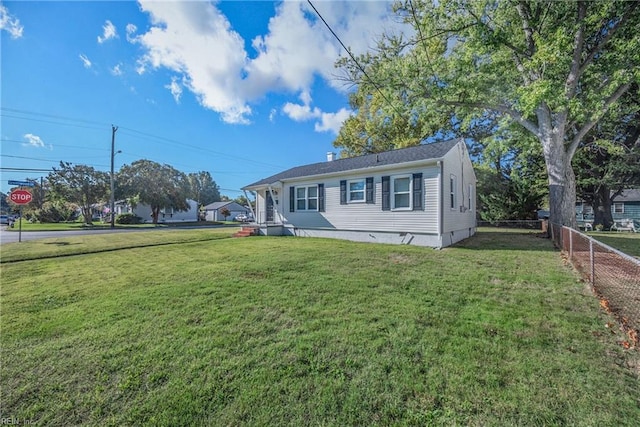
[(12, 236)]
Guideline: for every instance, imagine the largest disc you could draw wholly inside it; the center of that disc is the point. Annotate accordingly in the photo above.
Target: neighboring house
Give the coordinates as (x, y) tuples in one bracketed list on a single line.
[(166, 215), (624, 206), (423, 195), (212, 211)]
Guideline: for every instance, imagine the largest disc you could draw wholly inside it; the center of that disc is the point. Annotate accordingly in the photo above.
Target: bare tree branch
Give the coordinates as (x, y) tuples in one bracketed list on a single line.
[(573, 146), (610, 33), (572, 79)]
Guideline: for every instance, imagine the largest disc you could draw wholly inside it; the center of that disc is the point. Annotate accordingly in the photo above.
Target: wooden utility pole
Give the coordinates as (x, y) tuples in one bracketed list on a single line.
[(112, 200)]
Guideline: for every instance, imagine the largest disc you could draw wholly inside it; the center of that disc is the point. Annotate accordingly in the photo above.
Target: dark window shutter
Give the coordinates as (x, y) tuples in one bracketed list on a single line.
[(369, 189), (343, 192), (292, 199), (320, 197), (417, 192), (386, 193)]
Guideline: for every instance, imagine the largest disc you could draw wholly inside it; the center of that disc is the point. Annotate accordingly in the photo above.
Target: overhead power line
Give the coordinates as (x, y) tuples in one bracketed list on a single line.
[(88, 124), (25, 169), (353, 58)]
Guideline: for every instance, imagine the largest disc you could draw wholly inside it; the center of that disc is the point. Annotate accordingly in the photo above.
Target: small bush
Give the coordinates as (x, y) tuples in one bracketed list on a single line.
[(128, 218), (56, 211)]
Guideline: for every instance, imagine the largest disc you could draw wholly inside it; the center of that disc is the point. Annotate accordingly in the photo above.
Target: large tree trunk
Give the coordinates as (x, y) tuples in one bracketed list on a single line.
[(602, 207), (562, 182), (87, 215), (155, 212)]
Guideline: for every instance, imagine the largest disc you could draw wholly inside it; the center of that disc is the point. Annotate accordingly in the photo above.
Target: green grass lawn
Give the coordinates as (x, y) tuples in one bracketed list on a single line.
[(626, 242), (301, 331)]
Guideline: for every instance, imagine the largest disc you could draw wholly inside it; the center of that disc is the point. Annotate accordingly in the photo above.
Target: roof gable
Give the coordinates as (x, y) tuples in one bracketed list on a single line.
[(219, 205), (434, 150)]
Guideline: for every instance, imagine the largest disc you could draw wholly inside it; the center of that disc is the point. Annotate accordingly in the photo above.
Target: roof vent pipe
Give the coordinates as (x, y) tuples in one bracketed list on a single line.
[(331, 156)]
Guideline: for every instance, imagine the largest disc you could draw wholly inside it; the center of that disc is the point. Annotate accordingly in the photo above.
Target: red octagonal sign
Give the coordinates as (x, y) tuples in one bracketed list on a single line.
[(20, 197)]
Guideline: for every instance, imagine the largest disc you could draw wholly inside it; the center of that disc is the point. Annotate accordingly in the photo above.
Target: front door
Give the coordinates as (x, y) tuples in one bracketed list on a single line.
[(269, 207)]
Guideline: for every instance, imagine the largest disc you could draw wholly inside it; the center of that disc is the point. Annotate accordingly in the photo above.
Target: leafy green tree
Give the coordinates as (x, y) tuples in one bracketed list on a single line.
[(610, 159), (202, 188), (55, 211), (243, 201), (159, 186), (79, 184), (554, 68), (225, 212)]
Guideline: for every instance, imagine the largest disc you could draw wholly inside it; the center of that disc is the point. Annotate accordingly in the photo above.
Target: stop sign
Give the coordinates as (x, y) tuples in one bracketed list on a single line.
[(20, 197)]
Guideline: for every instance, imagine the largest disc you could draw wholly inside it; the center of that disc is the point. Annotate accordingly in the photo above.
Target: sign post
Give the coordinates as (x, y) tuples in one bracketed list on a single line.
[(20, 197)]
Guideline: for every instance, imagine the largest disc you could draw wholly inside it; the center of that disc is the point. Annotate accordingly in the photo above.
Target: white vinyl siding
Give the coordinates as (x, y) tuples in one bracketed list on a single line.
[(457, 167), (370, 216)]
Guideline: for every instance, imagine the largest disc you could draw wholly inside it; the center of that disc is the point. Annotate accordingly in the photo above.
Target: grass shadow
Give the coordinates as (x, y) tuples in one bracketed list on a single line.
[(508, 239)]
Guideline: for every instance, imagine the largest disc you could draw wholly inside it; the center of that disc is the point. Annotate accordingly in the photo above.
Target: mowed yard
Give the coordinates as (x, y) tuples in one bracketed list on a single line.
[(205, 330)]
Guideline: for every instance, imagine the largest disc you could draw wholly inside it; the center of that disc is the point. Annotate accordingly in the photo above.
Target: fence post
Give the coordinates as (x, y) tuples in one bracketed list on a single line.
[(571, 244), (592, 263)]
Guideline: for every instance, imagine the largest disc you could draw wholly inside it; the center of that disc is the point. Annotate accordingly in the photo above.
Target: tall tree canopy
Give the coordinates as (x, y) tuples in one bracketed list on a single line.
[(202, 188), (610, 159), (554, 68), (79, 184), (159, 186)]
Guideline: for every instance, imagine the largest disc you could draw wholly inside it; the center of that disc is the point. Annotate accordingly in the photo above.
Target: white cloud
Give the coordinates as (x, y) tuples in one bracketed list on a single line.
[(300, 113), (10, 23), (332, 122), (131, 30), (329, 122), (175, 89), (197, 42), (85, 61), (272, 115), (108, 32), (33, 141), (117, 70)]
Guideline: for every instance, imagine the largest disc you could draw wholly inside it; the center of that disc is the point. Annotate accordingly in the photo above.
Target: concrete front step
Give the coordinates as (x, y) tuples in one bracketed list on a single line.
[(246, 232)]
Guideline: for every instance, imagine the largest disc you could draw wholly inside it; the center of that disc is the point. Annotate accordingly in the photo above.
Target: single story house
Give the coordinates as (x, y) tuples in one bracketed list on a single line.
[(166, 215), (624, 206), (423, 195), (212, 211)]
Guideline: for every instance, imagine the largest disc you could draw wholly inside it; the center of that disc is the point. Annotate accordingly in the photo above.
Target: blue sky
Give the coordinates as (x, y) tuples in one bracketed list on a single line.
[(238, 88)]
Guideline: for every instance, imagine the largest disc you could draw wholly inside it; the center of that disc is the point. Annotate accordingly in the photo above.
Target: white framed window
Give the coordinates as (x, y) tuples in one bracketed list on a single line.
[(618, 208), (401, 192), (307, 198), (452, 192), (356, 191), (587, 209)]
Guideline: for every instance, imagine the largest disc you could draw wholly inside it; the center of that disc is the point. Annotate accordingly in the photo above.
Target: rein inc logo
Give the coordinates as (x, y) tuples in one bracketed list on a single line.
[(11, 421)]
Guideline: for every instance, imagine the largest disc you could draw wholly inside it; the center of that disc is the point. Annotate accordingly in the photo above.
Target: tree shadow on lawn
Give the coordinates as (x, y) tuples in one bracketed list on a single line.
[(508, 240), (61, 243)]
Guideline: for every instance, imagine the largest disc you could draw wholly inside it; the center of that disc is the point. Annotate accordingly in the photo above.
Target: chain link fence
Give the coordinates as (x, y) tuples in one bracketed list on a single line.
[(614, 276)]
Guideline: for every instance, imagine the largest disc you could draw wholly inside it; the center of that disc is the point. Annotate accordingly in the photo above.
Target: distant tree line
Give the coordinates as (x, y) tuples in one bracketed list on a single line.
[(70, 190)]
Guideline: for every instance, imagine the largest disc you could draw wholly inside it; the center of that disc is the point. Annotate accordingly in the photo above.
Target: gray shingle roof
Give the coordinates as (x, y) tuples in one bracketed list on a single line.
[(219, 205), (434, 150), (631, 195)]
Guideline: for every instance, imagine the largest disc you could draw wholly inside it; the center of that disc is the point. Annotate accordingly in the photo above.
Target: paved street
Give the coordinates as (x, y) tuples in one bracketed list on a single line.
[(12, 236)]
